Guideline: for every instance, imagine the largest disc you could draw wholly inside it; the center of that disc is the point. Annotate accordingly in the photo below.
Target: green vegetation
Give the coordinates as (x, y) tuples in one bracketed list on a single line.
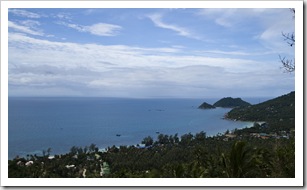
[(190, 156), (205, 105), (279, 113), (231, 103)]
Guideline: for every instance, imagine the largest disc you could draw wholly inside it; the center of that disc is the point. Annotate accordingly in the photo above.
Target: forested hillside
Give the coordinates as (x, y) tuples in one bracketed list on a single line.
[(279, 112)]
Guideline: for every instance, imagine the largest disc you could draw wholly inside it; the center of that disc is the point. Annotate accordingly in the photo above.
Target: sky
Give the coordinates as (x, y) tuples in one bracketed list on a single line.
[(149, 53)]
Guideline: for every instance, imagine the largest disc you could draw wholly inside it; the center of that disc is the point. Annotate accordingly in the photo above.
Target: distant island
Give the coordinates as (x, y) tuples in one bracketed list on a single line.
[(205, 105), (231, 103), (225, 103)]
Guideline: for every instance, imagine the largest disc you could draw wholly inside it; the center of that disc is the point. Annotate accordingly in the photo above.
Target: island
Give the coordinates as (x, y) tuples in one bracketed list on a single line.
[(231, 103), (205, 105)]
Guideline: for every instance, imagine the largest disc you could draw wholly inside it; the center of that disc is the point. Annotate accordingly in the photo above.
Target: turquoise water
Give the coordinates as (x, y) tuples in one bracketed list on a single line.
[(36, 124)]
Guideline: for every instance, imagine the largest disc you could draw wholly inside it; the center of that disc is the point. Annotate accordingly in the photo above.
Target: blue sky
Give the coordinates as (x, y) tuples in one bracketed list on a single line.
[(149, 53)]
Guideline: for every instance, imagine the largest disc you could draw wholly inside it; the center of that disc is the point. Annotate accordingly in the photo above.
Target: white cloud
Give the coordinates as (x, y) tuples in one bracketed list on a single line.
[(24, 13), (74, 26), (129, 71), (30, 23), (240, 53), (92, 55), (228, 17), (103, 29), (64, 16), (24, 29), (69, 55), (157, 20), (99, 29), (223, 17), (272, 38), (268, 24)]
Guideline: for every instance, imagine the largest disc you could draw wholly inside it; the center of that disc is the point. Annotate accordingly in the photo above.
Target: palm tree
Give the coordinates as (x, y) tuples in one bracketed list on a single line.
[(92, 147), (48, 151), (240, 161), (147, 141)]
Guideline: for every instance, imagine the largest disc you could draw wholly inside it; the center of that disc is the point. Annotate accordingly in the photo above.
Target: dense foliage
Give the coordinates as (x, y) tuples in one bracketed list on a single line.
[(189, 156), (231, 103), (205, 105), (279, 112)]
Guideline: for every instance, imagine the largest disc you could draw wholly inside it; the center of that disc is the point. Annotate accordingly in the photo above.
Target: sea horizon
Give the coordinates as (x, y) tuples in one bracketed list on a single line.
[(211, 100)]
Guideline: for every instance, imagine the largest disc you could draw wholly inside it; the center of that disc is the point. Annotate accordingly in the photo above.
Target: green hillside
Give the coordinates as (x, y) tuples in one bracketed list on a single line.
[(230, 102), (279, 112)]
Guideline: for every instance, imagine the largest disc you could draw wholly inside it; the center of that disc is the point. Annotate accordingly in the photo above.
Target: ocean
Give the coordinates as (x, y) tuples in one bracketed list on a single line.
[(36, 124)]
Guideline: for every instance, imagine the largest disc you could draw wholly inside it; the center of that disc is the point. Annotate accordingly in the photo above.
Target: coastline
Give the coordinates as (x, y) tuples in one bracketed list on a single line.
[(105, 149), (100, 120), (113, 162)]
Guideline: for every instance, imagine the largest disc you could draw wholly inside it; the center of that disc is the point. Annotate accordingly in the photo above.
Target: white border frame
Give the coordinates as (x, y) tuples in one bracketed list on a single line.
[(297, 181)]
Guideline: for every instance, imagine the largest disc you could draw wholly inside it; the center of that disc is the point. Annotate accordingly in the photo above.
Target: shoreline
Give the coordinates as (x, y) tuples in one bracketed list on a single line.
[(105, 149)]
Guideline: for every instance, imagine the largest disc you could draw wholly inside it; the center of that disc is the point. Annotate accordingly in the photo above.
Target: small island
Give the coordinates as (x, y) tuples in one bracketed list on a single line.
[(231, 103), (205, 105)]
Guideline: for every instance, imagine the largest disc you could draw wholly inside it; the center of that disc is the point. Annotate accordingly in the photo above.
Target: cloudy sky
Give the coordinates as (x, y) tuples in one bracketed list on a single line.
[(149, 53)]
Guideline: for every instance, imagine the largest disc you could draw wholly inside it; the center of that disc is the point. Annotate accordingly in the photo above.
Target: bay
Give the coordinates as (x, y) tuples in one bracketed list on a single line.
[(36, 124)]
